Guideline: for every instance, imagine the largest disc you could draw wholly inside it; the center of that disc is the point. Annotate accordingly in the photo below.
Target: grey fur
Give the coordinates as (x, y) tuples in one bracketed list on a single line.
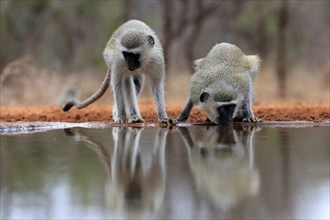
[(133, 37), (226, 74)]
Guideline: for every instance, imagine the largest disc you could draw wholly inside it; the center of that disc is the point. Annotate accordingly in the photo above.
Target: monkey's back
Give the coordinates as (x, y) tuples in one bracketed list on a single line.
[(224, 72)]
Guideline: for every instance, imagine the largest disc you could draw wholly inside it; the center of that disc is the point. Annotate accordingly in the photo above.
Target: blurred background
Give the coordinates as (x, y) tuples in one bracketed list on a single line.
[(51, 50)]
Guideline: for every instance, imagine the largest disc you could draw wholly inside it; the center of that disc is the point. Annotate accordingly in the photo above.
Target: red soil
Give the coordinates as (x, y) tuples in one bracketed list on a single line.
[(103, 113)]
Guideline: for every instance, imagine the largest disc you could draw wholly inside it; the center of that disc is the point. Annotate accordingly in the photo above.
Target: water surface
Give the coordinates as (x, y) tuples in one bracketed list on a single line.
[(190, 172)]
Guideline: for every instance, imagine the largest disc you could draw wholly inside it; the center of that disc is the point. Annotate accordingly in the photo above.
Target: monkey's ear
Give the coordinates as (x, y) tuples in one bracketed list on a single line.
[(151, 41), (204, 96)]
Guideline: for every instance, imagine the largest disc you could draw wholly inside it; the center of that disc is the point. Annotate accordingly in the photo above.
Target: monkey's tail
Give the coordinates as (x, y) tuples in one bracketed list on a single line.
[(93, 98)]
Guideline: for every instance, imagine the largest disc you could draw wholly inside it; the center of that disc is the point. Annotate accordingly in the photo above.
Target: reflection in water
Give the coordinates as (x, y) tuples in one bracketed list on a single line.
[(134, 188), (222, 163), (189, 173)]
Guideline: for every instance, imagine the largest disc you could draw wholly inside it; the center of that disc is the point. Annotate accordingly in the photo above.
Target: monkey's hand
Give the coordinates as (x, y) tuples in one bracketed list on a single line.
[(252, 119), (68, 106)]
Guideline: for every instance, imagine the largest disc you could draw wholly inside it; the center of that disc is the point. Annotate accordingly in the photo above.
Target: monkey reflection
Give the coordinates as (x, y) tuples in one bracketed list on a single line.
[(136, 175), (134, 186), (222, 163)]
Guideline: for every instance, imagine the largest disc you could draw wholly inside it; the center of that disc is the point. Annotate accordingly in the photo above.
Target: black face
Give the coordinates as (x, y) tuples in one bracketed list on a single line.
[(132, 60), (225, 113)]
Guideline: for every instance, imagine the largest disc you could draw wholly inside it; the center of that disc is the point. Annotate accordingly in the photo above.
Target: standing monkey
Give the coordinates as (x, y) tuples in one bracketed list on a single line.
[(133, 52)]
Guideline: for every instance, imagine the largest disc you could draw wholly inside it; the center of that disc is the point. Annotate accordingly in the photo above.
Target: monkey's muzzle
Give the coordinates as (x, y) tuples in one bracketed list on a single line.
[(132, 68)]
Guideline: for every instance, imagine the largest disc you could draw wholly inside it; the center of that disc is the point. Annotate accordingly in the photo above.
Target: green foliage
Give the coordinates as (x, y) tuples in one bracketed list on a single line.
[(249, 20), (64, 34), (71, 34)]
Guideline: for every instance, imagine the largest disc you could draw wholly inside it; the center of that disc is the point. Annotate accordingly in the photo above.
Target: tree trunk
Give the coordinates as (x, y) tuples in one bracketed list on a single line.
[(127, 12), (283, 20), (167, 7), (202, 12), (262, 38)]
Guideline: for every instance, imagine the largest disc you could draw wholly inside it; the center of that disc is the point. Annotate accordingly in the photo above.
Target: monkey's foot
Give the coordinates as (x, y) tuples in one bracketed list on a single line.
[(135, 119), (120, 121), (251, 119), (168, 121)]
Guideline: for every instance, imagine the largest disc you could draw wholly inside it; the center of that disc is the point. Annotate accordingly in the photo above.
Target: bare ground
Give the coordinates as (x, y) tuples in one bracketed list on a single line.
[(103, 113)]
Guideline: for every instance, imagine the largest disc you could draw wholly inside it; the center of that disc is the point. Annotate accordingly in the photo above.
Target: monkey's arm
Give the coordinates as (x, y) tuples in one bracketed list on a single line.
[(93, 98), (186, 111)]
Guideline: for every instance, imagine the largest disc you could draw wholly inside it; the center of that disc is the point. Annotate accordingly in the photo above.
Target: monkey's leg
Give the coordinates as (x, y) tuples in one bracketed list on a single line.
[(120, 114), (158, 93), (186, 111), (138, 82), (247, 111), (130, 97), (114, 111)]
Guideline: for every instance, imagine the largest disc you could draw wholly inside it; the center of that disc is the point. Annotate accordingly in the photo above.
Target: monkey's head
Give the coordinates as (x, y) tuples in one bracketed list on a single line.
[(135, 47), (219, 112)]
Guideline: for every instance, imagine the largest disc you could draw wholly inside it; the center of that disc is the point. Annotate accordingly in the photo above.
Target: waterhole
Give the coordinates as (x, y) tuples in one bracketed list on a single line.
[(186, 172)]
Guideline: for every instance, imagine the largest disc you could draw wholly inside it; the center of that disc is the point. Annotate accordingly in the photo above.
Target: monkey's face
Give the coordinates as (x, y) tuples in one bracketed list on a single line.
[(218, 112), (136, 46), (225, 113), (132, 60)]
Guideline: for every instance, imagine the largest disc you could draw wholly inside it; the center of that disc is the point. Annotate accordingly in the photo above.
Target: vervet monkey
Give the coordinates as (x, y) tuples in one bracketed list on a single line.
[(222, 85), (132, 52)]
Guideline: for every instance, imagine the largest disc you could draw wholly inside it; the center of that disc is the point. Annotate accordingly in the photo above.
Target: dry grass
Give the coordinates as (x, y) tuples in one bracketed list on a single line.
[(45, 87), (302, 86)]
